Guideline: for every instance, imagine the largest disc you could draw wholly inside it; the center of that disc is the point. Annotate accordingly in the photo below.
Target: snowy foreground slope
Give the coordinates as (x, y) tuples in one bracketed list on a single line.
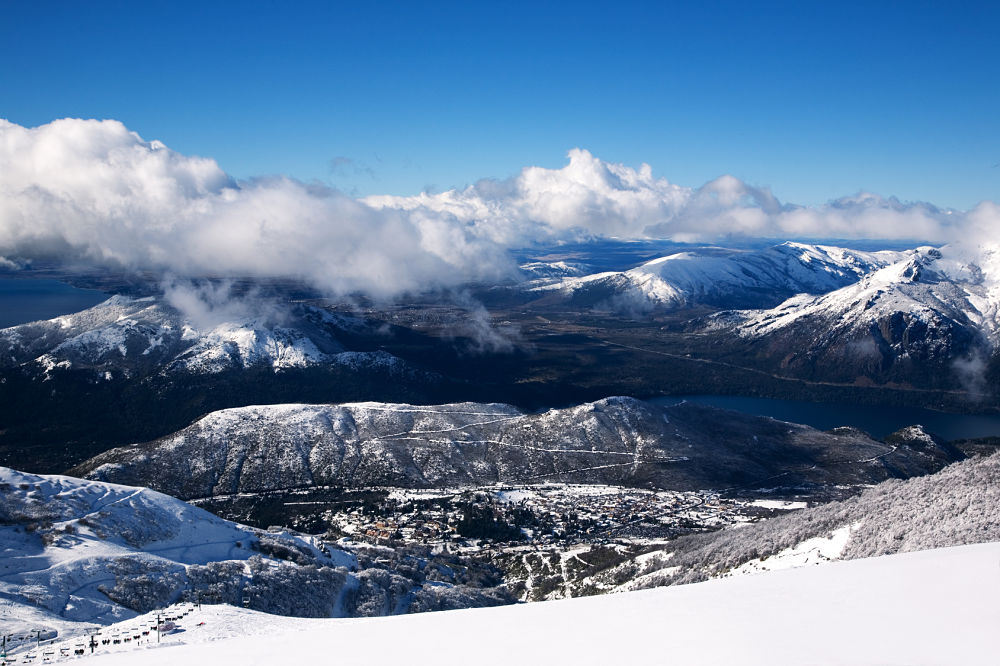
[(931, 607), (79, 551)]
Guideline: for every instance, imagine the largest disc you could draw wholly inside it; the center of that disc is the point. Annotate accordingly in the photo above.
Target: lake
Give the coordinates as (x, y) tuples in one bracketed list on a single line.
[(878, 421), (29, 299)]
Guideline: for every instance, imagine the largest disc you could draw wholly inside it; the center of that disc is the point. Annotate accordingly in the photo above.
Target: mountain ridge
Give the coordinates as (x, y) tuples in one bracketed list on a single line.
[(139, 335), (618, 441), (727, 278), (933, 313)]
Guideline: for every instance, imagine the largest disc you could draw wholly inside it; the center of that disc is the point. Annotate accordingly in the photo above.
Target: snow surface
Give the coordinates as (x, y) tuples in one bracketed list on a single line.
[(779, 504), (811, 551), (930, 607)]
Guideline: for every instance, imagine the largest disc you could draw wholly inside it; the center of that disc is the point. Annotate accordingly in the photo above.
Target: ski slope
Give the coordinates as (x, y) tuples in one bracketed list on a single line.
[(929, 607)]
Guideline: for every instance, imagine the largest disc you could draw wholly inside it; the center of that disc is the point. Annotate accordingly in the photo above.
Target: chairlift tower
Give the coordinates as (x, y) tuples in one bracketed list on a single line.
[(93, 638)]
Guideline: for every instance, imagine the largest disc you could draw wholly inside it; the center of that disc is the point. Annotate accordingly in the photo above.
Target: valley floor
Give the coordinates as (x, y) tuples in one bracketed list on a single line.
[(929, 607)]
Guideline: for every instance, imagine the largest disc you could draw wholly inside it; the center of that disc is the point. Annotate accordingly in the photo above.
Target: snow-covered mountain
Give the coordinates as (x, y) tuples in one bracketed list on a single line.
[(131, 369), (927, 608), (75, 551), (618, 441), (127, 336), (928, 310), (726, 278), (535, 270)]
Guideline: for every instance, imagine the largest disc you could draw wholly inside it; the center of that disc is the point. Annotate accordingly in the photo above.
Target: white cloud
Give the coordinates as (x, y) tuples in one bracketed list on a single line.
[(94, 190), (589, 196), (209, 304)]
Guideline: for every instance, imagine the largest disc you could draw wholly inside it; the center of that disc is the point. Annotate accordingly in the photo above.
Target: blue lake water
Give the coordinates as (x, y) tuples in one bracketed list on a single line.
[(878, 421), (23, 300)]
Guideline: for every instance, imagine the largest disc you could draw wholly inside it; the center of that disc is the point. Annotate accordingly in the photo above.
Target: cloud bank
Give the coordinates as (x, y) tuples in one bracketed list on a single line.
[(590, 196), (93, 191)]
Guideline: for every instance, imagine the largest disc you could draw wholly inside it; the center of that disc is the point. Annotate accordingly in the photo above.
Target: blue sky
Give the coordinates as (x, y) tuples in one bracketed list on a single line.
[(814, 101)]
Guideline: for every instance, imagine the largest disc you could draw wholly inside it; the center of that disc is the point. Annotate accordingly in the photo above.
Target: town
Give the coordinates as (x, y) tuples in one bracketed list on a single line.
[(548, 514)]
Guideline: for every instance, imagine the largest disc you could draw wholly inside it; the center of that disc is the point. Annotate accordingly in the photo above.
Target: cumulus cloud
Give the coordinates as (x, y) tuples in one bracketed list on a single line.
[(592, 197), (586, 197), (92, 190)]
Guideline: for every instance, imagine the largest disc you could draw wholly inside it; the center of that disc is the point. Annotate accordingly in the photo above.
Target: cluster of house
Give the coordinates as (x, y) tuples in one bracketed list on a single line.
[(581, 513), (399, 527), (545, 514)]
